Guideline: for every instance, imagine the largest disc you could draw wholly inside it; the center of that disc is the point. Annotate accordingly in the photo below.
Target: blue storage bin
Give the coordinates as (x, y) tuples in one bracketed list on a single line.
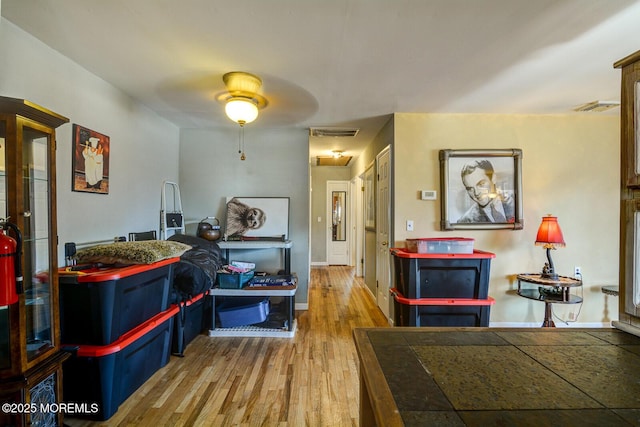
[(189, 322), (100, 305), (243, 311), (108, 375)]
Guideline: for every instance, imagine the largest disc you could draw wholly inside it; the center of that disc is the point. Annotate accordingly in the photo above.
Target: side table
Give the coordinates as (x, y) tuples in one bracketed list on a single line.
[(560, 288), (611, 290)]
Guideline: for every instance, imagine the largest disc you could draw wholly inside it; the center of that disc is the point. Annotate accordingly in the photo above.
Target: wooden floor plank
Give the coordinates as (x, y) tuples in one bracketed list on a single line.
[(309, 380)]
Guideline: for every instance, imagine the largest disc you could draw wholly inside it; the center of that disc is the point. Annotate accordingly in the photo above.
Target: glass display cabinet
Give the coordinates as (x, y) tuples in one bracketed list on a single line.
[(629, 301), (30, 354)]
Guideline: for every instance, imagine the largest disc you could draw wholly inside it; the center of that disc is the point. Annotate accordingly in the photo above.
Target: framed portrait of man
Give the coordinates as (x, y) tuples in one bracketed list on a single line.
[(481, 189)]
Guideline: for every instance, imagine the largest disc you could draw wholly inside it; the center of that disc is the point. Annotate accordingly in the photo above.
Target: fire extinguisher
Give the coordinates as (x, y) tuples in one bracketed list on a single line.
[(10, 264)]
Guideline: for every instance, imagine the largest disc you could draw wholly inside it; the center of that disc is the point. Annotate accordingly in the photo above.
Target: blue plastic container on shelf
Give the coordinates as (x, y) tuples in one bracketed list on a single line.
[(242, 311)]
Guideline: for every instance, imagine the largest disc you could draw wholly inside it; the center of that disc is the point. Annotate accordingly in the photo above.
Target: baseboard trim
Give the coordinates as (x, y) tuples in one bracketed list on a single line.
[(319, 264), (633, 330), (302, 306)]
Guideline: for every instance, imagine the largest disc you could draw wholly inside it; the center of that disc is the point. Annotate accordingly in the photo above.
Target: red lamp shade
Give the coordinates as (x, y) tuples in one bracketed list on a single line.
[(549, 232)]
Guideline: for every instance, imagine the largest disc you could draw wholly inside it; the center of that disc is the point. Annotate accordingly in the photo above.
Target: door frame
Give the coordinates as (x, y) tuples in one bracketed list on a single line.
[(383, 243), (339, 185), (357, 221)]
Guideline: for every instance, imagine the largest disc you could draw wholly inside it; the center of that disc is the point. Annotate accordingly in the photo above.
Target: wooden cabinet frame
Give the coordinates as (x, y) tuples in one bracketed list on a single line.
[(630, 120), (32, 369)]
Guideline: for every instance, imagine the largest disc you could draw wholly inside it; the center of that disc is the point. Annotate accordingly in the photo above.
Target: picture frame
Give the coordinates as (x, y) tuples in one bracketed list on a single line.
[(369, 199), (90, 161), (481, 189), (257, 218)]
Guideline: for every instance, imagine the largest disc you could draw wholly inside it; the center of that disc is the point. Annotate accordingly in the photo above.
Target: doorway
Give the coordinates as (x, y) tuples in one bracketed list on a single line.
[(383, 230), (338, 212)]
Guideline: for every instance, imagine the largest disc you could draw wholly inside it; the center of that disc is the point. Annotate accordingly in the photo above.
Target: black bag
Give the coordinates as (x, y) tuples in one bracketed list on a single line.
[(197, 269)]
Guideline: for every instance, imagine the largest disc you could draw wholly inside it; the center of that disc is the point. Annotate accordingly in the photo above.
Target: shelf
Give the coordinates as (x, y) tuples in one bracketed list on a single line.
[(535, 295), (254, 292), (251, 330), (255, 244), (254, 331), (284, 245)]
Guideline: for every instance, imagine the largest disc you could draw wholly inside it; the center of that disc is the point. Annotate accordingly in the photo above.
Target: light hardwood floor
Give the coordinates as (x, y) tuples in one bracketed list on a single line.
[(308, 380)]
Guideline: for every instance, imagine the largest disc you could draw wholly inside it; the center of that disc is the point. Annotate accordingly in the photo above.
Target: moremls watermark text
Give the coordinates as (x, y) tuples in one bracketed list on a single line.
[(47, 408)]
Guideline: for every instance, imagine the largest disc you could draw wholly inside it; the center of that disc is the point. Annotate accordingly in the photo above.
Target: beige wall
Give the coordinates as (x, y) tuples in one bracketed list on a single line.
[(570, 169)]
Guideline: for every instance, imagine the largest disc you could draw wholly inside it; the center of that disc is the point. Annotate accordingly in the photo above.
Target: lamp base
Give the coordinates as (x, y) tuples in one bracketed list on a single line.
[(548, 272)]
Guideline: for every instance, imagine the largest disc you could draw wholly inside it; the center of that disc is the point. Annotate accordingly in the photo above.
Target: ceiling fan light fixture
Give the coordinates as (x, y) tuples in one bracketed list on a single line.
[(239, 82), (241, 110)]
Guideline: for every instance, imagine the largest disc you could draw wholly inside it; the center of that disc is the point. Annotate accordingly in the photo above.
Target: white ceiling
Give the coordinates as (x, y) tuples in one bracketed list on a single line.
[(341, 63)]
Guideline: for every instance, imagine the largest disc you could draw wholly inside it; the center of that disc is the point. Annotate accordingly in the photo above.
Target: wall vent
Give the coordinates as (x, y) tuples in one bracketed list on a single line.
[(334, 132), (597, 106)]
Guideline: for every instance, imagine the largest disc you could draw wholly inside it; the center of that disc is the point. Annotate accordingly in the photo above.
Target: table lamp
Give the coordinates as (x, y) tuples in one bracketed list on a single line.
[(549, 236)]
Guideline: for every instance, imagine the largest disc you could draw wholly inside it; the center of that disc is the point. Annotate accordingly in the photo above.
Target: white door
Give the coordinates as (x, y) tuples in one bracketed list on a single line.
[(338, 214), (383, 227)]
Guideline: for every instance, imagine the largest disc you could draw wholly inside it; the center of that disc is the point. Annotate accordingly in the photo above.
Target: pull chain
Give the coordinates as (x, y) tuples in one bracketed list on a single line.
[(241, 142)]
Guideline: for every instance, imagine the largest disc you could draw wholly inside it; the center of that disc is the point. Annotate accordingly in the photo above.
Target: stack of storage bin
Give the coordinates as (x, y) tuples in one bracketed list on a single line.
[(441, 289), (189, 321), (118, 323)]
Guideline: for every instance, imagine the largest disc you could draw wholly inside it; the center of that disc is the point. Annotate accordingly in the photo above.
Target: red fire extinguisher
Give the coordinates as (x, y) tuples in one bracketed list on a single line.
[(10, 264)]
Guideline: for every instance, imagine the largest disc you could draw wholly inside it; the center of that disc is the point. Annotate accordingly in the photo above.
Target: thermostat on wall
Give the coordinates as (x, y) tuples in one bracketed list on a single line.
[(428, 194)]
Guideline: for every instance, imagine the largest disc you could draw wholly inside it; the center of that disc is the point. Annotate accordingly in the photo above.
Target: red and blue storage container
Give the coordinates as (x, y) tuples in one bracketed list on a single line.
[(108, 375), (190, 321), (437, 289), (99, 305)]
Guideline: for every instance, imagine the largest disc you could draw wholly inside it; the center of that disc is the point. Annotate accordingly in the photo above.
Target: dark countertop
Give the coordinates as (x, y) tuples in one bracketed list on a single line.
[(499, 376)]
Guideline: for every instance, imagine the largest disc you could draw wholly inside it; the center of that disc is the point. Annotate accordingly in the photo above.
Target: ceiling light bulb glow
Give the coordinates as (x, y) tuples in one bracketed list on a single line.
[(241, 110)]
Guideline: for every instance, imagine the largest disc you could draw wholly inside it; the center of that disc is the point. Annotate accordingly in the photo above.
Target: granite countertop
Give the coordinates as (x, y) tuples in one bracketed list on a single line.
[(490, 376)]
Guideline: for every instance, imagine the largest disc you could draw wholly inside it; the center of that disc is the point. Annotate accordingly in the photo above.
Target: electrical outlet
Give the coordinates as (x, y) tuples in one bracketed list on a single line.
[(577, 271)]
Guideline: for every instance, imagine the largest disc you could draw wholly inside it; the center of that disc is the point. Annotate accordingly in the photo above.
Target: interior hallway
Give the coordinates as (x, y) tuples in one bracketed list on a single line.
[(311, 379)]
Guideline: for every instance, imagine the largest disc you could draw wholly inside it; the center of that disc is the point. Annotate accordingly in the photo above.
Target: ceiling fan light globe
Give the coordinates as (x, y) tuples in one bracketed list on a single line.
[(241, 110)]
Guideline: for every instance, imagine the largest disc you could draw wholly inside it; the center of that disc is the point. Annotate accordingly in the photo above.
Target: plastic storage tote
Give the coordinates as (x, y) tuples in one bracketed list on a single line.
[(454, 245), (99, 305), (233, 280), (108, 375), (189, 322), (242, 311), (441, 289)]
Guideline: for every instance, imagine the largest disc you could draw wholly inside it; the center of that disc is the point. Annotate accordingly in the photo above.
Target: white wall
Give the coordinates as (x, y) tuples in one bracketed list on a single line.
[(276, 165), (144, 146)]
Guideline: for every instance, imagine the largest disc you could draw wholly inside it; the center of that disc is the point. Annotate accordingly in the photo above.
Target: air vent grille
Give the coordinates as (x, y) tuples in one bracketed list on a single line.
[(334, 132), (597, 106)]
